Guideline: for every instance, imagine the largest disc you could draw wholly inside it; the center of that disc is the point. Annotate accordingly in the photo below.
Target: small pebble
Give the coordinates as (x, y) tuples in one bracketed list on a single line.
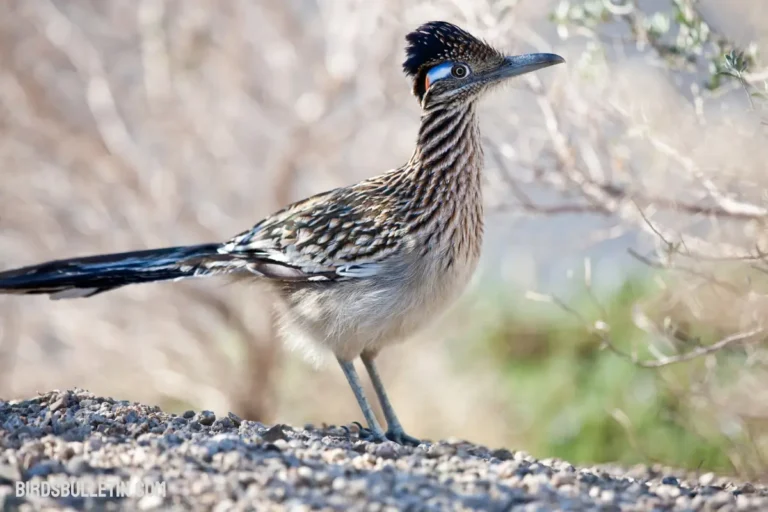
[(9, 473), (669, 480), (274, 434), (77, 465), (236, 420), (150, 502), (563, 478), (707, 479), (206, 418)]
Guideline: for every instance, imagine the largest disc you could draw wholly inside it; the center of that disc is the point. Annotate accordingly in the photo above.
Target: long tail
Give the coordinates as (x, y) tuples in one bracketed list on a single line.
[(85, 277)]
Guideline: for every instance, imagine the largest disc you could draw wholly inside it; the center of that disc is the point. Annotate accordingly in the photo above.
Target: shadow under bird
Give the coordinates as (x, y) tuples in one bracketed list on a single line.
[(361, 267)]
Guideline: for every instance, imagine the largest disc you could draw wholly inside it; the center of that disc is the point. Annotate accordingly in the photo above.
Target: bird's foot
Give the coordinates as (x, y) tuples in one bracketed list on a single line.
[(369, 434), (396, 435), (399, 436)]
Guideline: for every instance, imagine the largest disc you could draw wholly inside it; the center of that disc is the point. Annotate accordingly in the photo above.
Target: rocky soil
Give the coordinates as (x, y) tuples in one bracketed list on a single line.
[(225, 463)]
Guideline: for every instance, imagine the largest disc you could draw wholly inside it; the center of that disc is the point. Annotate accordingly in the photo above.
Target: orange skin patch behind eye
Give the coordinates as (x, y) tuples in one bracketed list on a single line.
[(426, 82)]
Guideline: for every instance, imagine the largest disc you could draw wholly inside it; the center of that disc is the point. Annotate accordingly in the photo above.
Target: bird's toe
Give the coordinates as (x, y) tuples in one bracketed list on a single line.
[(400, 437), (368, 434)]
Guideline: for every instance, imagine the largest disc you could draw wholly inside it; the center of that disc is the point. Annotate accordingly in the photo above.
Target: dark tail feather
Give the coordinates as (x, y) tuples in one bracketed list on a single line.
[(84, 277)]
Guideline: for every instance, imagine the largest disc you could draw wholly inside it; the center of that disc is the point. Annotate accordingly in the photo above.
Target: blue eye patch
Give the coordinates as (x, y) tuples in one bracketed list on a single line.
[(439, 72)]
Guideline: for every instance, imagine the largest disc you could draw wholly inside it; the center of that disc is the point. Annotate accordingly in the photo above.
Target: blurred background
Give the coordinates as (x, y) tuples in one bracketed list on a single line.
[(618, 313)]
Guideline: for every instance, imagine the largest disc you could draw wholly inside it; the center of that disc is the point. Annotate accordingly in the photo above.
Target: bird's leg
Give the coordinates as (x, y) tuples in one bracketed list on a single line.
[(395, 430), (374, 432)]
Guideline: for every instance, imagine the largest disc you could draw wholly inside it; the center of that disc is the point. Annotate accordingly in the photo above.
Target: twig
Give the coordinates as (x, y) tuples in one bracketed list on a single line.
[(710, 279), (687, 356)]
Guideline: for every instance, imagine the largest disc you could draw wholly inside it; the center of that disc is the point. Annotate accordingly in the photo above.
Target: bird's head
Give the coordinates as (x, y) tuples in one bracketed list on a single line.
[(448, 64)]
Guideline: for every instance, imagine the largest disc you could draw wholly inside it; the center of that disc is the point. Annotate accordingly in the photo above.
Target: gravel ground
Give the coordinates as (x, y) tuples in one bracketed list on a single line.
[(225, 463)]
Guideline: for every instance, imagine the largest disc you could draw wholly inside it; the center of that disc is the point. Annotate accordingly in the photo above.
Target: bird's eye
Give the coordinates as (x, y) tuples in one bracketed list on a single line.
[(460, 70)]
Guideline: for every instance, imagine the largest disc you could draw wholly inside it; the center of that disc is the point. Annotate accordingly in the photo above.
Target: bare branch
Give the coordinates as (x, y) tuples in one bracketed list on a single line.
[(703, 275), (687, 356)]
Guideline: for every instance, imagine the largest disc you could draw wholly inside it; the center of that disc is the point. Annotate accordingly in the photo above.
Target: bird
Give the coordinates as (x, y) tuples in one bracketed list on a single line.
[(361, 267)]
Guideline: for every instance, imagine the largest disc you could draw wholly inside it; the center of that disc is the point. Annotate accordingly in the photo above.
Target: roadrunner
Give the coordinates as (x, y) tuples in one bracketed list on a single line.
[(360, 267)]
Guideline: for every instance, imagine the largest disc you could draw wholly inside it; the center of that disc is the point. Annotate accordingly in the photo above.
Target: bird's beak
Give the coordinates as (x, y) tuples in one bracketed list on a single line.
[(520, 64)]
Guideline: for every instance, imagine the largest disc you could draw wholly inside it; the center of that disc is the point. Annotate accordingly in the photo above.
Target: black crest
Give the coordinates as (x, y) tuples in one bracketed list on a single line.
[(439, 41)]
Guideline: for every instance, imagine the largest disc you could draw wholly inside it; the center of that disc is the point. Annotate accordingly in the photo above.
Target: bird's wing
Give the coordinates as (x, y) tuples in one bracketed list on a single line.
[(338, 235)]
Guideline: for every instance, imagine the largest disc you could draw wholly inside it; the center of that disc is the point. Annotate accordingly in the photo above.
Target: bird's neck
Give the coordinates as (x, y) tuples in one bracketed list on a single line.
[(448, 152), (442, 178)]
